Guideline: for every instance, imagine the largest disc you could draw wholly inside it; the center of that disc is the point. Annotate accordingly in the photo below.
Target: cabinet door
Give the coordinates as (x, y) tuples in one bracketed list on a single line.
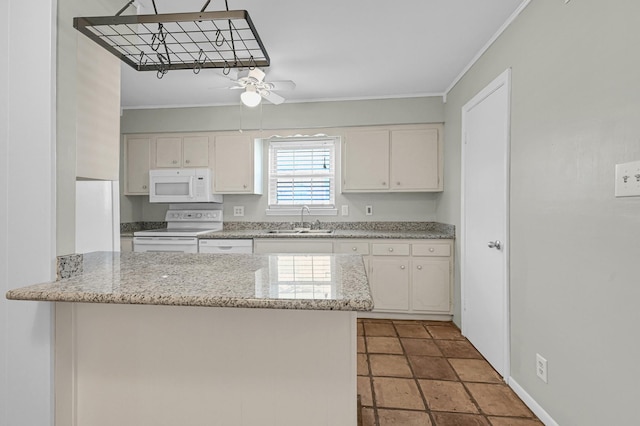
[(365, 161), (234, 166), (126, 244), (302, 245), (415, 160), (195, 151), (168, 152), (430, 286), (389, 281), (137, 156)]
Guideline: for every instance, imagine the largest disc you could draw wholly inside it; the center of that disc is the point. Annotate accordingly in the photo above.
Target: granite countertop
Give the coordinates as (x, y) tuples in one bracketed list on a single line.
[(342, 230), (338, 233), (292, 281)]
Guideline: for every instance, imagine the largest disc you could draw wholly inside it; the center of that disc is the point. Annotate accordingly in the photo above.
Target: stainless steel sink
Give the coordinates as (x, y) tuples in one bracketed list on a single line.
[(299, 231)]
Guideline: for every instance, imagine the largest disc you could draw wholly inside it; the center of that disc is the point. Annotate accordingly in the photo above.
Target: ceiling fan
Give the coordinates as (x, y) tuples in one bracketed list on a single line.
[(255, 87)]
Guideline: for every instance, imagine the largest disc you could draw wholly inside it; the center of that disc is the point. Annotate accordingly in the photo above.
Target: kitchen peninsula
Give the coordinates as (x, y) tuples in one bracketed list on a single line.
[(166, 339)]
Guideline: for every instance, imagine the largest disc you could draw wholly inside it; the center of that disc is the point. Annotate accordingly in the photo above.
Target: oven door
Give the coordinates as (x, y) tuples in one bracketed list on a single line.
[(165, 244)]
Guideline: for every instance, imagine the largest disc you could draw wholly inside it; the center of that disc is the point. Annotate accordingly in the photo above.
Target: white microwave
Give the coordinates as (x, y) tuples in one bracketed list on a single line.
[(181, 186)]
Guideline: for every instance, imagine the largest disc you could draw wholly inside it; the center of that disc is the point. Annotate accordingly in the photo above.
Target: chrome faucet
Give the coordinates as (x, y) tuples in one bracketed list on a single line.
[(302, 214)]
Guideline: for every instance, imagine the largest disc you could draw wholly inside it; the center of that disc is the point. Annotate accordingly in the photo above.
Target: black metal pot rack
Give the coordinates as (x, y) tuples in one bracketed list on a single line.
[(163, 42)]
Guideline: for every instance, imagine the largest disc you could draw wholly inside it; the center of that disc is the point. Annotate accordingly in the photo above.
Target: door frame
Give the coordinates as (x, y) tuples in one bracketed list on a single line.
[(503, 79)]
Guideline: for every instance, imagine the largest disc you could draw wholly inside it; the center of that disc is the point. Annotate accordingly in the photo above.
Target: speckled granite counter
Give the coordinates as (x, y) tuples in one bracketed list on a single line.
[(241, 281), (342, 230)]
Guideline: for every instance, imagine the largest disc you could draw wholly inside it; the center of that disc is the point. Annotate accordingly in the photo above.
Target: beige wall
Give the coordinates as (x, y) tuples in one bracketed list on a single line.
[(66, 104), (574, 247), (317, 115)]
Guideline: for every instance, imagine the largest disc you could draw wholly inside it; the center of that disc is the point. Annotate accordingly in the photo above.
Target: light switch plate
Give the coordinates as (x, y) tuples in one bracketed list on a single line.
[(345, 210), (628, 179)]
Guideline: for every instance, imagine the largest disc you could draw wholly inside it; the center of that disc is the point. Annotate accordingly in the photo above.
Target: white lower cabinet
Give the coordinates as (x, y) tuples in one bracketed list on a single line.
[(389, 282), (301, 245), (407, 277)]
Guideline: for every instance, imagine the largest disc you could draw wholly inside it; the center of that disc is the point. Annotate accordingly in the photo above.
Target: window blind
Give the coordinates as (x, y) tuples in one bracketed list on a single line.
[(302, 172)]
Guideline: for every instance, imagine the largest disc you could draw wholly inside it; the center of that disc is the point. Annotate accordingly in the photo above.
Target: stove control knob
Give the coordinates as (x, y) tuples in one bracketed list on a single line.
[(199, 215)]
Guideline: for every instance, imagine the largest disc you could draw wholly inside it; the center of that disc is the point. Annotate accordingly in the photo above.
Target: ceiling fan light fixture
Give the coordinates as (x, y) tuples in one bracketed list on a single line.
[(250, 97)]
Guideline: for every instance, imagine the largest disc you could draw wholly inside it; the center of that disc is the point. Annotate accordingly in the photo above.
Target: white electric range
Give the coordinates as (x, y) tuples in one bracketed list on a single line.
[(181, 233)]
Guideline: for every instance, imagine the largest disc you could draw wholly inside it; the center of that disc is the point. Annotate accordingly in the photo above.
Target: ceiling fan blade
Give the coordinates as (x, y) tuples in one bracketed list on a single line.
[(281, 85), (274, 98)]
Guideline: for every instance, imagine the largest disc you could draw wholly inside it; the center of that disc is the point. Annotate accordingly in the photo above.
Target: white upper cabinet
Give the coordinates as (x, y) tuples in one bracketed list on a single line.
[(365, 161), (415, 160), (137, 156), (181, 151), (393, 159), (237, 164)]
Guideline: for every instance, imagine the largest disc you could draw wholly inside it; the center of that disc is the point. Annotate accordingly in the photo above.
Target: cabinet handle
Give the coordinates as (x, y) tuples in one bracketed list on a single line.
[(144, 186), (244, 186), (175, 161), (397, 183), (384, 183), (187, 161), (431, 249), (402, 267), (390, 249), (420, 267), (354, 248)]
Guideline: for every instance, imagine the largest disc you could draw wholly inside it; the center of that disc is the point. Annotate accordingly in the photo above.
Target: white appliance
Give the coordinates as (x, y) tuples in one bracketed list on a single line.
[(181, 186), (97, 216), (182, 231), (225, 246)]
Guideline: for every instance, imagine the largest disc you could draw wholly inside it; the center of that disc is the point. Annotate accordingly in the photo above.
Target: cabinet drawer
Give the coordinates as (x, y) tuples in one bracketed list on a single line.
[(354, 247), (434, 249), (390, 249)]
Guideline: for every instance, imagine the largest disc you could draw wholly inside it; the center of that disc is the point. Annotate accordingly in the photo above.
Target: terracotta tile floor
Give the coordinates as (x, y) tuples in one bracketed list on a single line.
[(426, 373)]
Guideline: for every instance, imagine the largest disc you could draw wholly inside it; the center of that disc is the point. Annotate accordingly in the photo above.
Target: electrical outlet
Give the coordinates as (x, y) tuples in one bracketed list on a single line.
[(238, 210), (368, 210), (541, 368), (345, 210), (628, 179)]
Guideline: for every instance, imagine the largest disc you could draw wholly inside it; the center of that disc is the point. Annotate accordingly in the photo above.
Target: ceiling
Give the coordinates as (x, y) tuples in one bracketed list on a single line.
[(336, 49)]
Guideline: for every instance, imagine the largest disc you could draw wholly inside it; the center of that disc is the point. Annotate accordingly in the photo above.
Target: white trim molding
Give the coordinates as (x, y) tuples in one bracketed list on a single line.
[(531, 403)]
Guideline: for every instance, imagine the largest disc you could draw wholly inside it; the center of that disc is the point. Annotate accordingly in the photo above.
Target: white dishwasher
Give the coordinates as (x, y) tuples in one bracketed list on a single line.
[(225, 246)]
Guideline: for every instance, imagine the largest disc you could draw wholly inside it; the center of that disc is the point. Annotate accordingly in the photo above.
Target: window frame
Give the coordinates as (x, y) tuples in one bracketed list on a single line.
[(295, 209)]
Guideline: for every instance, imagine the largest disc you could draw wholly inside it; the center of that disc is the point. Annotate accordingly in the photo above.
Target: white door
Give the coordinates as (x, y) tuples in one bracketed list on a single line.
[(484, 248)]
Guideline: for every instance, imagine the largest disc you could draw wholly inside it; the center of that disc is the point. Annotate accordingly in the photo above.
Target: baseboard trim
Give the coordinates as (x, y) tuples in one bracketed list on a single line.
[(399, 316), (531, 403)]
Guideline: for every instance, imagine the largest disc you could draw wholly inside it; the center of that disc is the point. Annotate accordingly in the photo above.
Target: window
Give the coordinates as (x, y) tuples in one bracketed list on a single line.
[(302, 171)]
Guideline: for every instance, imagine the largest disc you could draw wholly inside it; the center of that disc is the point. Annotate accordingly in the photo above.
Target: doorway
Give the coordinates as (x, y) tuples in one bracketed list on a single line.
[(484, 222)]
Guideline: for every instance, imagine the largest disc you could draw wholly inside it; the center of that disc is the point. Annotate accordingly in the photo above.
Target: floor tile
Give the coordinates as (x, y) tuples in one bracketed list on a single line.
[(403, 418), (445, 332), (389, 366), (429, 367), (379, 329), (457, 419), (510, 421), (384, 345), (412, 330), (498, 400), (397, 393), (458, 349), (361, 345), (447, 396), (426, 347), (368, 417), (363, 366), (475, 370), (364, 390)]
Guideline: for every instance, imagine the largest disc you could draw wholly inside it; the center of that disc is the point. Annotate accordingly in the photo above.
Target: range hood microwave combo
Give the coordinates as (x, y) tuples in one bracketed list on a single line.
[(181, 186)]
